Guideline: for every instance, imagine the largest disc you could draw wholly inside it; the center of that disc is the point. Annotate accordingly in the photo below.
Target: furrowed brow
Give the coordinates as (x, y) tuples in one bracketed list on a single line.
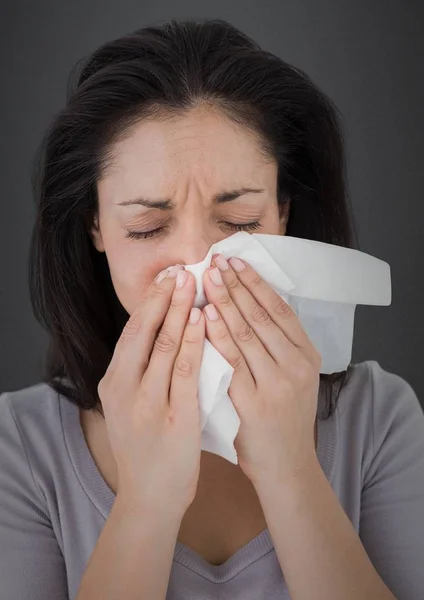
[(168, 204)]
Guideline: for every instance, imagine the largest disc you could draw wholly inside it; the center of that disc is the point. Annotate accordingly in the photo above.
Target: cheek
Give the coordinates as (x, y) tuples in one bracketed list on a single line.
[(131, 276), (133, 272)]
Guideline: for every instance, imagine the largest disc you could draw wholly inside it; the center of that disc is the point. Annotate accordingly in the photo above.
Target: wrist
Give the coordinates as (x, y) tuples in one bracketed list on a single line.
[(293, 485), (127, 506)]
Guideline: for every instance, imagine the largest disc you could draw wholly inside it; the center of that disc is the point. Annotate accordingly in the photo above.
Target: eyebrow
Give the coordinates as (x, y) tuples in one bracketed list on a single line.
[(168, 204)]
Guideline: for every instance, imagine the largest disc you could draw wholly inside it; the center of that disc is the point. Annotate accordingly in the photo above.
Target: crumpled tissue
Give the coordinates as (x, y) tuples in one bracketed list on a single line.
[(322, 283)]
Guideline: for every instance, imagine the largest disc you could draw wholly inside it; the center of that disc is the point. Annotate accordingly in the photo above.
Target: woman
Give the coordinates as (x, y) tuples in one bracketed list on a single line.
[(173, 138)]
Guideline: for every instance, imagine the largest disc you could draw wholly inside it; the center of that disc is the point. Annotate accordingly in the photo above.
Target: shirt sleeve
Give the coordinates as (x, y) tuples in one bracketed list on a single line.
[(31, 563), (392, 502)]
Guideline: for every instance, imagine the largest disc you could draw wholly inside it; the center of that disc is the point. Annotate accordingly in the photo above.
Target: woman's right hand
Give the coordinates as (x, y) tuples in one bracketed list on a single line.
[(149, 396)]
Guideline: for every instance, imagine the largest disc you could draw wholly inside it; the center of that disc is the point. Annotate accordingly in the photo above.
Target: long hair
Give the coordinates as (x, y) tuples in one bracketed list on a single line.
[(158, 71)]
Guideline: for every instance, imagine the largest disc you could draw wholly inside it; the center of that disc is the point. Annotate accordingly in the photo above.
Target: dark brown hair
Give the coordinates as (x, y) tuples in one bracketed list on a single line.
[(155, 72)]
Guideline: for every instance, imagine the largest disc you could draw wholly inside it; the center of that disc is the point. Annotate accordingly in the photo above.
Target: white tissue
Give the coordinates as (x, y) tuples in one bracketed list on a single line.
[(322, 282)]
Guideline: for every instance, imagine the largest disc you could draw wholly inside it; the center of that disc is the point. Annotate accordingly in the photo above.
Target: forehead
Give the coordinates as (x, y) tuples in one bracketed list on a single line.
[(203, 143)]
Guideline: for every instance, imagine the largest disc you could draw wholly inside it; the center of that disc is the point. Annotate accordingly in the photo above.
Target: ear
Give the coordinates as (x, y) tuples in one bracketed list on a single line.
[(96, 236), (284, 212)]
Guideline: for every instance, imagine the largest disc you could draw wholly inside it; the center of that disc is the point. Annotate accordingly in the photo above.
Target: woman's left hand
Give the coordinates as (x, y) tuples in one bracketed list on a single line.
[(276, 380)]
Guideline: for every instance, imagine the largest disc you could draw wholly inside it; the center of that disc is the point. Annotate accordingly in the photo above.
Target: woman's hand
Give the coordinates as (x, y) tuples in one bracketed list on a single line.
[(275, 383), (150, 400)]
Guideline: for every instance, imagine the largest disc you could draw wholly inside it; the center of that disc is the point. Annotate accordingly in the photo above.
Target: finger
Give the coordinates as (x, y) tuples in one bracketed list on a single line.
[(219, 335), (166, 346), (185, 377), (240, 330), (280, 311), (131, 354), (254, 309)]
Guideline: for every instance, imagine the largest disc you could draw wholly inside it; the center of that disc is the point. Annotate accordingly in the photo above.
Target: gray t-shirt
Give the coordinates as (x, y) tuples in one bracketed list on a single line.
[(54, 502)]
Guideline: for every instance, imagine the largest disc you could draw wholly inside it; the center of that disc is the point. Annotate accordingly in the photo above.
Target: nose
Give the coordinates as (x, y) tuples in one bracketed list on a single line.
[(193, 242), (192, 252)]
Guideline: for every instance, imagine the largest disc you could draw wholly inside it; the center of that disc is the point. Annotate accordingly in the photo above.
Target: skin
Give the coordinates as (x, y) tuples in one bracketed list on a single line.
[(187, 159)]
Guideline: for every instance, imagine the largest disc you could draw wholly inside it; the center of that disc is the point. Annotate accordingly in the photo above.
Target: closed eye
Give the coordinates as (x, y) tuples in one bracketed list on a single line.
[(254, 225)]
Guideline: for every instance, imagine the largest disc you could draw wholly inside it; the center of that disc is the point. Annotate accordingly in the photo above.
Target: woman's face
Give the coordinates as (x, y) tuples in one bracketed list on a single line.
[(183, 163)]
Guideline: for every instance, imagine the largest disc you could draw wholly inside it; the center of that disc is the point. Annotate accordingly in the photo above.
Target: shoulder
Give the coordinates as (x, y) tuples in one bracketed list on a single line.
[(384, 397), (31, 435), (388, 462), (30, 407), (382, 411), (394, 399), (397, 422), (31, 559), (372, 392), (27, 417)]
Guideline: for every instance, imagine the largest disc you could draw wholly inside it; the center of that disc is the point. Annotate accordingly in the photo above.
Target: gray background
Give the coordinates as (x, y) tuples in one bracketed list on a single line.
[(367, 56)]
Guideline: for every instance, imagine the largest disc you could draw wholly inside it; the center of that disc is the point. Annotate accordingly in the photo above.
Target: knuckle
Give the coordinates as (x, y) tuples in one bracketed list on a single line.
[(233, 284), (158, 291), (245, 333), (101, 387), (304, 370), (108, 390), (164, 342), (225, 300), (283, 308), (260, 315), (222, 334), (190, 337), (183, 367), (177, 301), (256, 280), (131, 328), (236, 361), (316, 358)]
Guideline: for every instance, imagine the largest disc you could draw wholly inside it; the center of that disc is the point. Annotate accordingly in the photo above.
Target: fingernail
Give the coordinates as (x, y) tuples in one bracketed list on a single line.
[(181, 278), (237, 264), (172, 271), (161, 276), (215, 275), (222, 262), (211, 312), (194, 314)]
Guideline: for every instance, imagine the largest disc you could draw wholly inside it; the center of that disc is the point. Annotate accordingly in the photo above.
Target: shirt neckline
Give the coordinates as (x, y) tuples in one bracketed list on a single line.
[(103, 498)]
